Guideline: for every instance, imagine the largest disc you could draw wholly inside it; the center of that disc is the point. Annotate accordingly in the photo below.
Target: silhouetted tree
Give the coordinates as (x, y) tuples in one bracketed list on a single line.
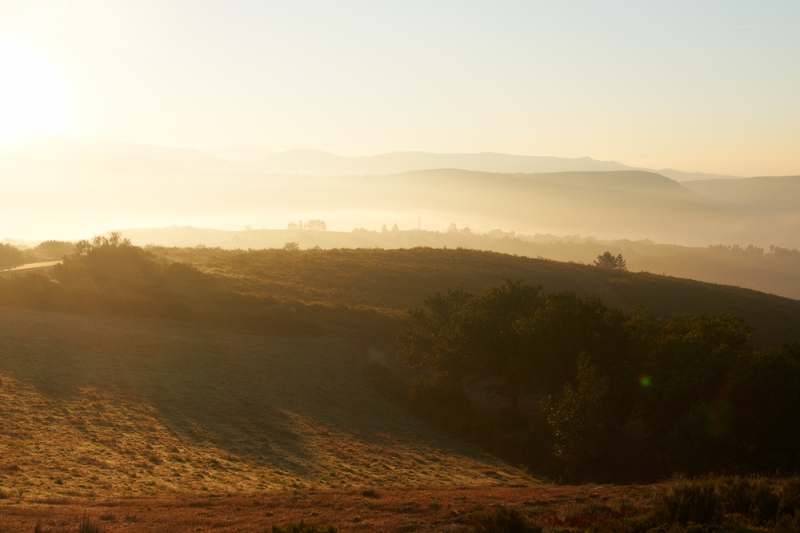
[(316, 225), (607, 260), (291, 246)]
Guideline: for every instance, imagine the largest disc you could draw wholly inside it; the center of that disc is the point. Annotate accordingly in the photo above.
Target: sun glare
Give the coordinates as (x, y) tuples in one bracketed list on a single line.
[(31, 95)]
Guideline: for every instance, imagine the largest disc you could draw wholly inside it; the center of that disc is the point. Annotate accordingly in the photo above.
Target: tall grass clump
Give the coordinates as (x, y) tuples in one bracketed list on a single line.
[(753, 499), (790, 496), (88, 525), (41, 527), (503, 519), (302, 527), (695, 502)]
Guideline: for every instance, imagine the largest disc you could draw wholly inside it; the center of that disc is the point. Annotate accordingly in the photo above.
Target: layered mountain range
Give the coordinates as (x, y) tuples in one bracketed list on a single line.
[(97, 185)]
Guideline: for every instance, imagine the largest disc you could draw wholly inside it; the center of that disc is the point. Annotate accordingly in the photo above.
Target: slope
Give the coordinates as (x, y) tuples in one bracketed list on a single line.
[(396, 280), (770, 195), (95, 406)]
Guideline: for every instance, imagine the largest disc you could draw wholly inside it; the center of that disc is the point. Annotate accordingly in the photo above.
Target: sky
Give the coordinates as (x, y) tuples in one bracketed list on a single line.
[(706, 86)]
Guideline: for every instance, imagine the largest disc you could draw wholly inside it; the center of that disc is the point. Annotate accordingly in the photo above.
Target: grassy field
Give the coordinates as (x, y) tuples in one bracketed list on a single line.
[(103, 406)]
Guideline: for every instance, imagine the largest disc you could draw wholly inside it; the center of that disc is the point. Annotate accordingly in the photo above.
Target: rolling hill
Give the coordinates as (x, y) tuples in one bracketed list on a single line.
[(393, 281), (99, 407), (773, 195), (173, 372)]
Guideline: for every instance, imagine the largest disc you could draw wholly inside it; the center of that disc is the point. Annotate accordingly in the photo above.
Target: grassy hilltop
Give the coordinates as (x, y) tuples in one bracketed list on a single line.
[(392, 281), (352, 292)]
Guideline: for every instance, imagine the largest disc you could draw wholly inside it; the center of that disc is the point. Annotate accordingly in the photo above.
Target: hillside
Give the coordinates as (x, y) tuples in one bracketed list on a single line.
[(360, 293), (771, 270), (107, 406), (772, 194), (396, 280), (94, 405)]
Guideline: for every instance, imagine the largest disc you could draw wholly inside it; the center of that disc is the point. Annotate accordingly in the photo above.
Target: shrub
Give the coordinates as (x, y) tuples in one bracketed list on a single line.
[(302, 527), (503, 519), (41, 527), (790, 497), (88, 525), (688, 502), (753, 499), (788, 523)]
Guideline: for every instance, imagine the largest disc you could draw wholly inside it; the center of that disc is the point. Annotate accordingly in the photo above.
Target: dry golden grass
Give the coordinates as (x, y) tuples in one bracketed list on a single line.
[(108, 407)]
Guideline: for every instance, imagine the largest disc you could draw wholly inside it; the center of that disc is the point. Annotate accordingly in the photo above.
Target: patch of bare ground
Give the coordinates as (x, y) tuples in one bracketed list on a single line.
[(384, 510), (110, 407)]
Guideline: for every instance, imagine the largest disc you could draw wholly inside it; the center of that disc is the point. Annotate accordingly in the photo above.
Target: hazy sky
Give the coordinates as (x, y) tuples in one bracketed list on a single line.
[(701, 86)]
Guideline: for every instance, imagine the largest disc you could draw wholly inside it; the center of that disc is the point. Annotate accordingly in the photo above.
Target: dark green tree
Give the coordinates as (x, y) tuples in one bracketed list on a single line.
[(429, 341), (456, 335), (493, 338), (580, 416)]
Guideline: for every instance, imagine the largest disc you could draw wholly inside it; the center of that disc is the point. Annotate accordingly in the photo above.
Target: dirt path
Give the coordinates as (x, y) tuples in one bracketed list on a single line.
[(30, 266)]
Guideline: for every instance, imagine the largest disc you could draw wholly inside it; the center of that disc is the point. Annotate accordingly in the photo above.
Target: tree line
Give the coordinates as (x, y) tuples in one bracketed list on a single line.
[(616, 393)]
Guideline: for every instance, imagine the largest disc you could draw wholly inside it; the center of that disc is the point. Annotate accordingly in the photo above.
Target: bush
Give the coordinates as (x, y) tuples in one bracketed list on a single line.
[(88, 525), (503, 519), (788, 523), (790, 497), (695, 502), (302, 527), (42, 527), (753, 499)]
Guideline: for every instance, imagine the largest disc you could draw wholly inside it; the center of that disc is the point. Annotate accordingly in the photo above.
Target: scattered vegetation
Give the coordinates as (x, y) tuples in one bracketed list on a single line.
[(503, 519), (697, 505)]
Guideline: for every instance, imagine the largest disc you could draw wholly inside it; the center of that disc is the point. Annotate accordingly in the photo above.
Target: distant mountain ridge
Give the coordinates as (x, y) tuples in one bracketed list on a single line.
[(83, 152), (87, 186), (318, 163), (312, 162)]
